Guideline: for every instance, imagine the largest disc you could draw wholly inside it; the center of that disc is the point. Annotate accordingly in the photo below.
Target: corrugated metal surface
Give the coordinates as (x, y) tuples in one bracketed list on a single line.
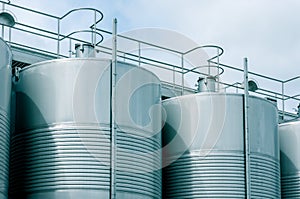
[(4, 155), (290, 186), (204, 158), (290, 159), (265, 176), (134, 165), (5, 97), (64, 157), (62, 149), (217, 175)]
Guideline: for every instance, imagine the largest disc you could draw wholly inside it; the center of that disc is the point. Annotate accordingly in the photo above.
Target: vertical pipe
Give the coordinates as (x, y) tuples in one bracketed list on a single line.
[(182, 75), (282, 98), (218, 75), (246, 131), (58, 38), (112, 114)]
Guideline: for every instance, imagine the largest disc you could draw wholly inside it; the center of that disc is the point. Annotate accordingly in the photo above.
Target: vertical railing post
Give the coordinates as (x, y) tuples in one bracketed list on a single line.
[(139, 53), (182, 75), (282, 100), (58, 38), (246, 132), (174, 76), (9, 36), (94, 30), (3, 8), (112, 114), (70, 48)]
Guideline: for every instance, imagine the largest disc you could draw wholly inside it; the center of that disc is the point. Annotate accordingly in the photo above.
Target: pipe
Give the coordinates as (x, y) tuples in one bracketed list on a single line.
[(218, 75), (182, 75), (246, 131), (112, 115)]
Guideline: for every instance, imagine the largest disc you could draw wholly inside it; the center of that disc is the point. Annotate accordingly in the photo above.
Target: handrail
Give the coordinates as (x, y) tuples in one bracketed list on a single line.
[(75, 10), (82, 31), (168, 49), (80, 9), (177, 69), (34, 49), (291, 79), (30, 10), (53, 33), (272, 94), (293, 97), (206, 46), (34, 28), (206, 66), (251, 73)]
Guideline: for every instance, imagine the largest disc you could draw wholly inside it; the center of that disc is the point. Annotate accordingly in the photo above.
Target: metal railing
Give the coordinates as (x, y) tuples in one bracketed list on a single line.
[(177, 71)]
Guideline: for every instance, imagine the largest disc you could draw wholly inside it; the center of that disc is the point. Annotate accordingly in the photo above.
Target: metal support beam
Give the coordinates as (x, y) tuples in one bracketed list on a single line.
[(283, 100), (182, 75), (112, 113), (246, 130)]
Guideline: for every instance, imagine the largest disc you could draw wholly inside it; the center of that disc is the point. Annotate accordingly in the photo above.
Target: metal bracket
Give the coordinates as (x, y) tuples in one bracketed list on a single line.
[(16, 73)]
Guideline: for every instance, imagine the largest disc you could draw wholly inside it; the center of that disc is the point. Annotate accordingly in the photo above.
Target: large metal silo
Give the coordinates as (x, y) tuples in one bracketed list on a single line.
[(62, 149), (204, 151), (5, 97), (290, 159)]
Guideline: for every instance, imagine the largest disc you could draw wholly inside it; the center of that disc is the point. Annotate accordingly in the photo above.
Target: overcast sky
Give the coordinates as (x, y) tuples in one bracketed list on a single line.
[(265, 31)]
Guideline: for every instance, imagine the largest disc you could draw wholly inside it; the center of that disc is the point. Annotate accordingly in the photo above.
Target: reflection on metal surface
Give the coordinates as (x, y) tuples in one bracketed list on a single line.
[(5, 97), (61, 147), (204, 144), (290, 159)]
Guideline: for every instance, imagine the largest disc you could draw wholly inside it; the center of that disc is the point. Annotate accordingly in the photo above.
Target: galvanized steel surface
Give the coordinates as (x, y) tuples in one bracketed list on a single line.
[(204, 147), (5, 102), (61, 147), (290, 159)]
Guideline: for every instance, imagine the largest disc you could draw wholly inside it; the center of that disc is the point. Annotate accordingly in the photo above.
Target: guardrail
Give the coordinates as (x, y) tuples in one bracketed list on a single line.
[(177, 71)]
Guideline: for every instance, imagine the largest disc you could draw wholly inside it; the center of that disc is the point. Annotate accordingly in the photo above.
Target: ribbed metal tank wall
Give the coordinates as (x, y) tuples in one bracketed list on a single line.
[(290, 159), (5, 98), (203, 141), (61, 148)]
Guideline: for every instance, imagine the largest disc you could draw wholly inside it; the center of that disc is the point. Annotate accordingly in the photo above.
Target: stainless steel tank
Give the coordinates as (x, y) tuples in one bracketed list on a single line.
[(5, 98), (61, 148), (203, 141), (290, 159)]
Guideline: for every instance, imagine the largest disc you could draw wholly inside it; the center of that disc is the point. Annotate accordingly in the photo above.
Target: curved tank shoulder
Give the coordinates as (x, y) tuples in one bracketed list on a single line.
[(291, 122), (5, 55), (205, 94), (64, 60)]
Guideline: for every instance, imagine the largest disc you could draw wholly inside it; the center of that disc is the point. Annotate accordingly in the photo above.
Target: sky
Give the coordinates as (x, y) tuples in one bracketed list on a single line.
[(267, 32)]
